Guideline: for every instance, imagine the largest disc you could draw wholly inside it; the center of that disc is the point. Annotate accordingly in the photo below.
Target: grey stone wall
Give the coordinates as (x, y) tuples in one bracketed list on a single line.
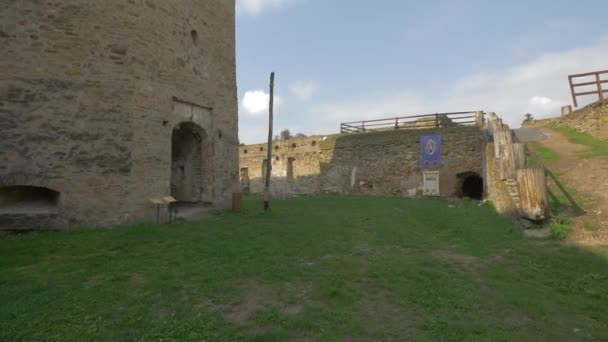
[(497, 189), (592, 119), (92, 90), (382, 163)]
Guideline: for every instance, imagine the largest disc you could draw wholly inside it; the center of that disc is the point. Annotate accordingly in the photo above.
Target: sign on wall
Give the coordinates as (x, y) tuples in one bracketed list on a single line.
[(430, 150), (430, 183)]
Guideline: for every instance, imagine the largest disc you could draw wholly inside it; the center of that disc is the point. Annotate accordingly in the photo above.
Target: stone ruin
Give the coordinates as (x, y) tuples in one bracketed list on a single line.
[(382, 162), (101, 113)]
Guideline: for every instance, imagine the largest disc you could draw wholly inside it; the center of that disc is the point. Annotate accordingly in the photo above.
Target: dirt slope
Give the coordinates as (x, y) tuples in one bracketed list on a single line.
[(585, 177)]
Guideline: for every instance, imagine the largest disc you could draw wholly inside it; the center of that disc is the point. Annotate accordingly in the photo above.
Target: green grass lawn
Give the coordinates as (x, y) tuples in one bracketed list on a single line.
[(325, 268)]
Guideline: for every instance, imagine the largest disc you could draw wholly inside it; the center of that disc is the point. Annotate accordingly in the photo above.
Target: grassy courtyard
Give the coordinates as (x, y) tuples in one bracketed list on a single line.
[(326, 268)]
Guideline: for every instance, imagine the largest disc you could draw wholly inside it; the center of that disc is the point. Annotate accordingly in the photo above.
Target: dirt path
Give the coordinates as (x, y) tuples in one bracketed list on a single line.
[(586, 178)]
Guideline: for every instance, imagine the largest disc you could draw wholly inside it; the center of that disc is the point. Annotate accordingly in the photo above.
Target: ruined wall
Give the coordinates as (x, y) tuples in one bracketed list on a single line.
[(380, 163), (497, 189), (92, 90), (306, 154), (592, 119)]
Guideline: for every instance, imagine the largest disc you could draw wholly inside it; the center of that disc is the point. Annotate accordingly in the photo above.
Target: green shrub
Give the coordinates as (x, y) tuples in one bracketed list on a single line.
[(560, 227)]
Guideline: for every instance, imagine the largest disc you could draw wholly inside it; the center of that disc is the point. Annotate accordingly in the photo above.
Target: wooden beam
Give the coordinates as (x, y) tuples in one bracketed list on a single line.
[(600, 92), (269, 147), (590, 73)]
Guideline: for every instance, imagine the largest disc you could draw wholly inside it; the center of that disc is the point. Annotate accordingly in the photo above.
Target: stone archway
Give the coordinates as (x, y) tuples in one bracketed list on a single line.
[(470, 185), (188, 162)]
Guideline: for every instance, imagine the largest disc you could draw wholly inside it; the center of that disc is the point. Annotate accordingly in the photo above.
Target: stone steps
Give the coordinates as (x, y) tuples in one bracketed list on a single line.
[(191, 211)]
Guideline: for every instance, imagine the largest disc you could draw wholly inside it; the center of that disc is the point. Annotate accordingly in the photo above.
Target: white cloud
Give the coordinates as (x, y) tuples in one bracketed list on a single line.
[(303, 90), (538, 86), (540, 100), (544, 106), (372, 106), (256, 102), (255, 7)]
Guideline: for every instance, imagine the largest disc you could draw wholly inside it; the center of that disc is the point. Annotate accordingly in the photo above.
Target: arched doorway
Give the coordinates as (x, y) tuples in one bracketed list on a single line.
[(470, 185), (188, 144)]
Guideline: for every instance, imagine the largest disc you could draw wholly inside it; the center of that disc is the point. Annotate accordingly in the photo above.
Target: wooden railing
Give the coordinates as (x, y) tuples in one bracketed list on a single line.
[(592, 79), (426, 121), (511, 166)]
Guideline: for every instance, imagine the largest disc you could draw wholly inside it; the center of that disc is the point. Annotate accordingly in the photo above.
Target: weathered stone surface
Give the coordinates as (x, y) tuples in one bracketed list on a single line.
[(88, 100), (379, 163), (499, 192), (592, 119)]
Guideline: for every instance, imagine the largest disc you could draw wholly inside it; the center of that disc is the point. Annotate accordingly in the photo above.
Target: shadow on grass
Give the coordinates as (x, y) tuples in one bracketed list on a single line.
[(571, 208)]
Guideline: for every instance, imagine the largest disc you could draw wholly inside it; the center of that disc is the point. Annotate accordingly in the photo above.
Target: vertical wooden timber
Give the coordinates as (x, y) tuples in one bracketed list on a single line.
[(599, 86), (269, 148), (519, 156), (572, 91), (532, 186), (479, 120)]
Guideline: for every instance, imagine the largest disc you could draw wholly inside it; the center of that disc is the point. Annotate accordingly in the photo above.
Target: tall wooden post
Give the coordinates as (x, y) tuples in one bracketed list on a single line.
[(269, 148), (599, 87), (479, 119), (572, 91), (532, 184), (519, 155)]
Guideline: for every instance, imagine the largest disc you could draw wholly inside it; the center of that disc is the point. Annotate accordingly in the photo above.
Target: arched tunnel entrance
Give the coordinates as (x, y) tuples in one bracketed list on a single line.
[(470, 185), (188, 164)]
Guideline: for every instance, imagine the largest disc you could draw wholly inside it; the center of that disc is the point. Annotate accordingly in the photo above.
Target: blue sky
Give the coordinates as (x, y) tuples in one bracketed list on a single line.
[(339, 60)]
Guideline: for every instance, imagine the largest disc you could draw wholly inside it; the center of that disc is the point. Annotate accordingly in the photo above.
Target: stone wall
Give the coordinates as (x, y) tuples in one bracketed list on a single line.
[(497, 189), (381, 163), (592, 119), (91, 93)]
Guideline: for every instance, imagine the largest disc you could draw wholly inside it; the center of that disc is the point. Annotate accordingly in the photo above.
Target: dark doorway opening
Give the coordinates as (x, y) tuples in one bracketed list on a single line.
[(471, 185), (245, 179), (290, 162), (188, 163), (28, 200)]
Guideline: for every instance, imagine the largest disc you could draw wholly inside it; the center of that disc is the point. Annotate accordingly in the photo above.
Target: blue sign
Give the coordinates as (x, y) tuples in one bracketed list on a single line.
[(431, 150)]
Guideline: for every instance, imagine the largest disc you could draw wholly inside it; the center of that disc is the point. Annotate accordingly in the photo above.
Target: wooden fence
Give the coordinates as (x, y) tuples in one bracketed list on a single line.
[(593, 79), (425, 121), (512, 165)]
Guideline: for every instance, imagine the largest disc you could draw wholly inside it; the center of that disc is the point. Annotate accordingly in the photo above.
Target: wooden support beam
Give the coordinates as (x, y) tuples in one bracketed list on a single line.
[(269, 148), (532, 184)]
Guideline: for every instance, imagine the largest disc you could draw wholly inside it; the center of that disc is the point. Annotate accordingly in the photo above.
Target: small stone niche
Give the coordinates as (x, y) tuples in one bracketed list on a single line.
[(28, 200)]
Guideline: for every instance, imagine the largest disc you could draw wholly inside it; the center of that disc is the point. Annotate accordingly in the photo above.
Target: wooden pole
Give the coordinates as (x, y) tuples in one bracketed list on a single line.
[(269, 148), (572, 91), (599, 87), (533, 194), (519, 156), (479, 120)]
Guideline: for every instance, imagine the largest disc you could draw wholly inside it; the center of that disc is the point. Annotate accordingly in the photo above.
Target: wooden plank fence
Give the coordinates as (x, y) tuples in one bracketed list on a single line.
[(512, 165), (594, 79), (425, 121)]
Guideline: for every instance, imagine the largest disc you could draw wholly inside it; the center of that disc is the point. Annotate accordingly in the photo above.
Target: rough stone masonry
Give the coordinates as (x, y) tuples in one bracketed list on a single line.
[(107, 104), (385, 163)]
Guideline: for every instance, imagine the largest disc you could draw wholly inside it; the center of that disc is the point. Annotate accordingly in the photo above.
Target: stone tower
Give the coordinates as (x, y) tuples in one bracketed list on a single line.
[(107, 104)]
